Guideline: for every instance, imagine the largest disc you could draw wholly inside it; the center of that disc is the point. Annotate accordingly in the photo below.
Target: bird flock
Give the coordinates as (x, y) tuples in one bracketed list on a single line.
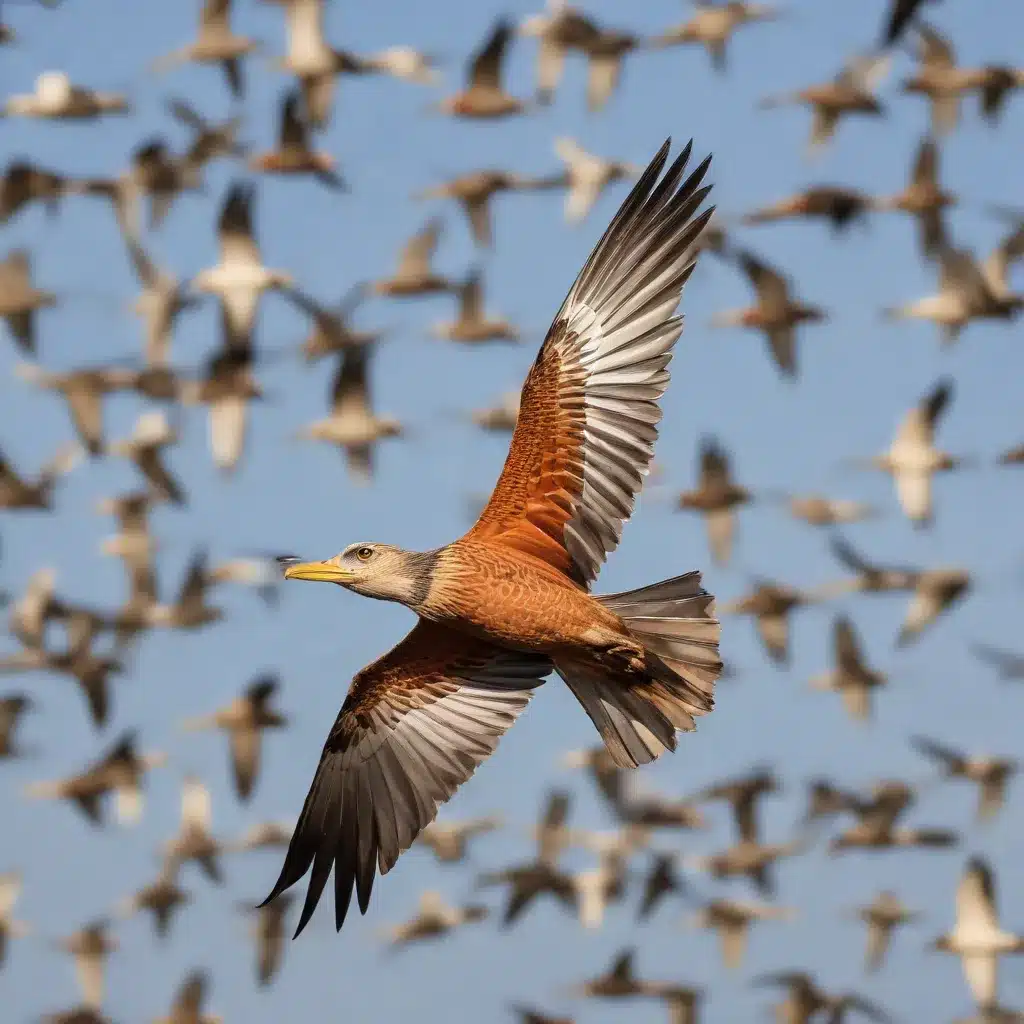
[(615, 879)]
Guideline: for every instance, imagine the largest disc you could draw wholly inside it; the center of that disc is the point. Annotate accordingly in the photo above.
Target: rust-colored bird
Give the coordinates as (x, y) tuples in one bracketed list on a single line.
[(293, 154), (851, 677), (508, 602), (244, 720), (939, 79), (484, 96), (716, 497), (777, 313)]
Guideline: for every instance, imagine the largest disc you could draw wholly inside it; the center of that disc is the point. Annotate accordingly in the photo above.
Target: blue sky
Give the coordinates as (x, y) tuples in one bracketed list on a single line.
[(858, 375)]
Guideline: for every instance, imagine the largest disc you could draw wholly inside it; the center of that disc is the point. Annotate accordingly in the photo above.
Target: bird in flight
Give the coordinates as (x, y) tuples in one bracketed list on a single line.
[(510, 601)]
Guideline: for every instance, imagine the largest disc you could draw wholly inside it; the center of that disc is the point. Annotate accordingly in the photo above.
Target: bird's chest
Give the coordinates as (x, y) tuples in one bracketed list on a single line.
[(513, 603)]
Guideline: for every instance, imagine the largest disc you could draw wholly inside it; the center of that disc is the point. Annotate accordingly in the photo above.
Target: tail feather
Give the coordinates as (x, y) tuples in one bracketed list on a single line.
[(674, 621)]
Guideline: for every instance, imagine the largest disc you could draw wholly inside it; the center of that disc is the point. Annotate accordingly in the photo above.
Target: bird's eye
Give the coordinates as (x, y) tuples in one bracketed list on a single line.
[(364, 554)]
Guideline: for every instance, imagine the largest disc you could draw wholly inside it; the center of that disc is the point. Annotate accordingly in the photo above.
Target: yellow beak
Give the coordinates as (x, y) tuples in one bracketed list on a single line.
[(318, 572)]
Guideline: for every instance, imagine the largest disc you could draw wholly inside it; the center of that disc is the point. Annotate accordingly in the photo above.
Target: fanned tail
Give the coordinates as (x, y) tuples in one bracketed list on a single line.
[(638, 719)]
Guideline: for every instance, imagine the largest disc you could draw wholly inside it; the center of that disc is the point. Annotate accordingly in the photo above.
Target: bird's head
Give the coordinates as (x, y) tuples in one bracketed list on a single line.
[(375, 570)]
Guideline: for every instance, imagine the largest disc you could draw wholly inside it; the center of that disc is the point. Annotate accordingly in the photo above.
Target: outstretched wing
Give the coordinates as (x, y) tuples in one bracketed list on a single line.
[(414, 727), (587, 420)]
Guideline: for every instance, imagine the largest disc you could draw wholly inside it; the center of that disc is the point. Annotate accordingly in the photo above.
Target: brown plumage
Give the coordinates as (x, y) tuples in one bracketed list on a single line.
[(508, 602), (484, 96)]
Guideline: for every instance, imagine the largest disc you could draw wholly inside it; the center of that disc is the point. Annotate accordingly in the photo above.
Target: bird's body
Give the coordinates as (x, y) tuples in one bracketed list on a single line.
[(504, 605)]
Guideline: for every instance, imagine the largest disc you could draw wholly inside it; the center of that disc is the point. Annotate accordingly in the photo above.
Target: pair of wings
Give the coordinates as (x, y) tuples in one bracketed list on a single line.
[(417, 722)]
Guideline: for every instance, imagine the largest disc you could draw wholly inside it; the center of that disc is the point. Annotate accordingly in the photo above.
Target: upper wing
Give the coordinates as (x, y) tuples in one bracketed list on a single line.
[(415, 725), (586, 427)]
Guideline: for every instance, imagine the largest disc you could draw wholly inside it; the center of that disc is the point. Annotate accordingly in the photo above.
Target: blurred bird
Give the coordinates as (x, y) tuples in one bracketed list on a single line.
[(352, 424), (473, 326), (885, 913), (923, 198), (660, 880), (57, 98), (133, 543), (473, 192), (244, 720), (776, 313), (499, 418), (484, 96), (91, 671), (816, 510), (78, 1015), (901, 14), (266, 835), (331, 333), (559, 30), (618, 982), (713, 25), (852, 91), (804, 1000), (12, 707), (215, 44), (262, 572), (528, 881), (528, 1016), (598, 886), (743, 794), (770, 604), (20, 300), (877, 828), (161, 898), (969, 290), (119, 770), (31, 613), (144, 447), (240, 278), (1014, 457), (1008, 664), (732, 920), (939, 79), (194, 841), (587, 176), (934, 591), (187, 1007), (448, 840), (18, 493), (10, 890), (606, 50), (413, 275), (434, 919), (162, 299), (90, 946), (210, 139), (294, 154), (977, 937), (24, 182), (716, 497), (851, 677), (268, 932), (990, 774), (839, 205)]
